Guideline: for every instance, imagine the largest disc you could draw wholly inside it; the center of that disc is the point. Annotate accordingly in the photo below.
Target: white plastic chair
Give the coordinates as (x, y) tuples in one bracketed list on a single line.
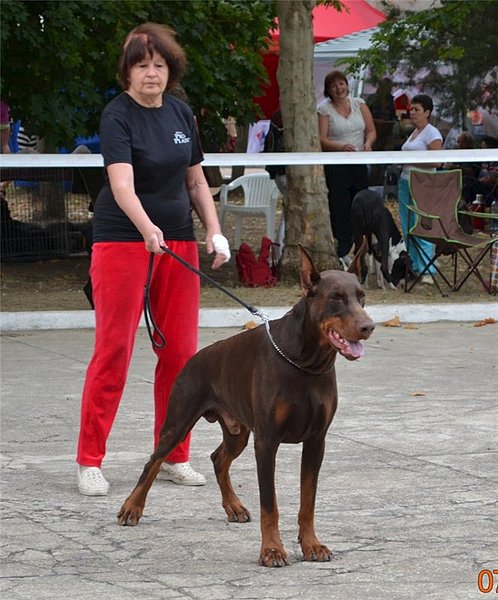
[(260, 199)]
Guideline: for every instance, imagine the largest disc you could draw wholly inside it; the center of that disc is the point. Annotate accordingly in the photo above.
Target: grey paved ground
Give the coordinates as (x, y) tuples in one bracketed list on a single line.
[(407, 493)]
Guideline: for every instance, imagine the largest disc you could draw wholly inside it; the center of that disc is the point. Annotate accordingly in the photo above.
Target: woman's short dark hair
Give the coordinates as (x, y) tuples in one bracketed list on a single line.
[(424, 100), (330, 78), (142, 42)]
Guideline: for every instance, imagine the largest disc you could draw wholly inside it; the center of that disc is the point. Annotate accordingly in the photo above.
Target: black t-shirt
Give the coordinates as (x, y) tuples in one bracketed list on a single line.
[(160, 144)]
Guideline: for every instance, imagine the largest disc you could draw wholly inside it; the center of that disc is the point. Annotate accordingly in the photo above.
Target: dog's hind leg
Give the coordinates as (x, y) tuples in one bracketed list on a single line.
[(231, 447), (311, 461)]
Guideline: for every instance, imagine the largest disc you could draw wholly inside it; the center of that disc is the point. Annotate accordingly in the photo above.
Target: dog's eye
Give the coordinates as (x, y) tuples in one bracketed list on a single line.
[(337, 299)]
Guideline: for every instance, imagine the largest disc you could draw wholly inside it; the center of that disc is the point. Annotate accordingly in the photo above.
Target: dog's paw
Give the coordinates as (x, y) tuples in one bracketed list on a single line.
[(317, 552), (273, 557), (237, 513), (129, 515)]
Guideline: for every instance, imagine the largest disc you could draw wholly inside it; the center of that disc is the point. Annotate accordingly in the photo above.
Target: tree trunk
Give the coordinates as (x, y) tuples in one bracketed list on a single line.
[(306, 211)]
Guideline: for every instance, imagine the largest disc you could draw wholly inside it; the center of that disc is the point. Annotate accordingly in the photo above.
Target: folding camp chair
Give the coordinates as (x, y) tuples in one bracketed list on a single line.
[(436, 195)]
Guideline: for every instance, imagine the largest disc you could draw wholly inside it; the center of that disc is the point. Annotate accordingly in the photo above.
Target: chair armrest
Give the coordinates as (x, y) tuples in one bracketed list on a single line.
[(225, 188), (481, 215), (422, 213)]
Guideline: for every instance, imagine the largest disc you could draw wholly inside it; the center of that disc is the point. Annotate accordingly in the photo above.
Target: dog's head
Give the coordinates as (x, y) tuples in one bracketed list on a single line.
[(336, 303)]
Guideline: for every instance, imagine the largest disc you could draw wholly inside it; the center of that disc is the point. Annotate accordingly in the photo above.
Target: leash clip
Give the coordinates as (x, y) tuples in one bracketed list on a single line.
[(262, 315)]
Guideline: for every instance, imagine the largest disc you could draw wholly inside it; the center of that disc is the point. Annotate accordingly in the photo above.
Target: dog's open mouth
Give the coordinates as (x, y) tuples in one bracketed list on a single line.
[(347, 348)]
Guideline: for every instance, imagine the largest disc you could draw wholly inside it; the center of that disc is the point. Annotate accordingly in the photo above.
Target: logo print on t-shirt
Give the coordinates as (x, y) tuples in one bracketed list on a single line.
[(181, 138)]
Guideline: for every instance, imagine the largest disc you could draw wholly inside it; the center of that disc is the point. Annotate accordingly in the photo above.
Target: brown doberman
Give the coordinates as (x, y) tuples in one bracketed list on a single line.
[(278, 382)]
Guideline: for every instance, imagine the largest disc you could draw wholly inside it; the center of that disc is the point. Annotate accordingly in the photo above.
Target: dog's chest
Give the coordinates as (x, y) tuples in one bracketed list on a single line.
[(308, 416)]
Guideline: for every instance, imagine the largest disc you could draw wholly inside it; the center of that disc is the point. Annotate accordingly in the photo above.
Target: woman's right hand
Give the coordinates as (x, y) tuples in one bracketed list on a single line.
[(154, 239), (348, 148)]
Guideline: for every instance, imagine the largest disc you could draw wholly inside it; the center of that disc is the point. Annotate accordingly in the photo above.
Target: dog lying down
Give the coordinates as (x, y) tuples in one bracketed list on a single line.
[(386, 251), (278, 383)]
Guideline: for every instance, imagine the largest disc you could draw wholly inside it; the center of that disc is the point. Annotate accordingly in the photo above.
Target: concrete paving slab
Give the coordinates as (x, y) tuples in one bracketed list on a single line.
[(407, 491)]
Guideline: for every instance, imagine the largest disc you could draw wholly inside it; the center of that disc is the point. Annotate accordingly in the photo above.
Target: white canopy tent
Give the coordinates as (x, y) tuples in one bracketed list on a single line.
[(327, 54)]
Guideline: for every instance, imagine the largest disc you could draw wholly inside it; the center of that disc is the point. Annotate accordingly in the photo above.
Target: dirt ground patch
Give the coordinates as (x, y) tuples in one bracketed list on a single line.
[(57, 284)]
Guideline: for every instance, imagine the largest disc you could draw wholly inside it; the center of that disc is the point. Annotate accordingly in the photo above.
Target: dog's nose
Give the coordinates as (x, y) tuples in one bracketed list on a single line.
[(367, 328)]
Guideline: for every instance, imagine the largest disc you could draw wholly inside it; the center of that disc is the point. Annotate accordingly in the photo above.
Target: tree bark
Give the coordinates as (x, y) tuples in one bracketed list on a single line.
[(306, 212)]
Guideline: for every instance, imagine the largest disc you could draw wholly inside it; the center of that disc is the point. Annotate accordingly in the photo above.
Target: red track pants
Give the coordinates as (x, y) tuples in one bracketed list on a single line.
[(118, 271)]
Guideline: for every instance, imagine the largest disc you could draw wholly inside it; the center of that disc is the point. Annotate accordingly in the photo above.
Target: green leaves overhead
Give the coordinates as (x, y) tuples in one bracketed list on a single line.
[(451, 50), (59, 59)]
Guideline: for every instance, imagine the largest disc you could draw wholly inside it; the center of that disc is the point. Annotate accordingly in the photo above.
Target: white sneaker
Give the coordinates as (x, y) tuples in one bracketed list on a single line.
[(181, 474), (91, 482), (427, 279)]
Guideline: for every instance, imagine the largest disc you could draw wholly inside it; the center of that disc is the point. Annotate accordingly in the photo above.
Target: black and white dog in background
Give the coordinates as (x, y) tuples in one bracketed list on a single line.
[(370, 218)]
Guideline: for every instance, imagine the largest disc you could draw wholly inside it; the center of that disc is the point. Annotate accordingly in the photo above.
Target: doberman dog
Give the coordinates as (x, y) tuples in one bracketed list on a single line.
[(371, 219), (278, 382)]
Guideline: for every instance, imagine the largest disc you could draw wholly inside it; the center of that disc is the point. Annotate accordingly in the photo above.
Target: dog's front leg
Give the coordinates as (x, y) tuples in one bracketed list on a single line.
[(133, 507), (311, 462), (272, 550)]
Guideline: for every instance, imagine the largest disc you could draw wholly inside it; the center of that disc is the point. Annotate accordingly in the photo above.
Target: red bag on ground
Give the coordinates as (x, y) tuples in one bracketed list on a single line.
[(257, 272)]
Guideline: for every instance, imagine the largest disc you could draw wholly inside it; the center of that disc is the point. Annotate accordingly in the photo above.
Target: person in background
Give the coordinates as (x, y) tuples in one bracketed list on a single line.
[(4, 127), (154, 179), (381, 105), (470, 171), (424, 137), (345, 124), (274, 142), (488, 175)]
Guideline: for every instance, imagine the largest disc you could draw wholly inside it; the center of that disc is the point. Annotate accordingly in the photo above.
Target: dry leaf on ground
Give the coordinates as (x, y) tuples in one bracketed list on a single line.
[(394, 322), (486, 321)]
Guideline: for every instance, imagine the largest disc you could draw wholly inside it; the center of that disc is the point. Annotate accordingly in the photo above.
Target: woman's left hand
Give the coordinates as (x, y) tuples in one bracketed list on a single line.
[(218, 243), (367, 147)]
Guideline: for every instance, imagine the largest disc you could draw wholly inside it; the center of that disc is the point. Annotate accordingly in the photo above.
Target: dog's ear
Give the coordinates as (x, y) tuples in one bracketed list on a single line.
[(355, 266), (309, 275)]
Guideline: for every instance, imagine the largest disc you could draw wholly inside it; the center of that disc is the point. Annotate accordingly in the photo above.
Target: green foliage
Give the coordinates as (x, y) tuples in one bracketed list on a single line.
[(451, 51), (59, 59)]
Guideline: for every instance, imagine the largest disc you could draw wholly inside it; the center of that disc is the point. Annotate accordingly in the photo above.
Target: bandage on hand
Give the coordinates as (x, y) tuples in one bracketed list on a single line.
[(221, 246)]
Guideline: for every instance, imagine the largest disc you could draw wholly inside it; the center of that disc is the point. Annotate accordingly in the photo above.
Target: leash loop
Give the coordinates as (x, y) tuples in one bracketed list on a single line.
[(148, 316)]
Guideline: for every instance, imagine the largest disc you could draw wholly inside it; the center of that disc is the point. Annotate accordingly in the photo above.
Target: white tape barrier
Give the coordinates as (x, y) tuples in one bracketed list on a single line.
[(263, 159)]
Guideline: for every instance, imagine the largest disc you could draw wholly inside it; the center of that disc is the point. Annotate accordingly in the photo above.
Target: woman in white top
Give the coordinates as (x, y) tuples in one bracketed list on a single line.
[(345, 124), (424, 137)]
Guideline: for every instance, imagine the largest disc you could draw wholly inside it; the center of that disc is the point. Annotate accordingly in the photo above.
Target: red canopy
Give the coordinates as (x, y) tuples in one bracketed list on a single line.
[(328, 23)]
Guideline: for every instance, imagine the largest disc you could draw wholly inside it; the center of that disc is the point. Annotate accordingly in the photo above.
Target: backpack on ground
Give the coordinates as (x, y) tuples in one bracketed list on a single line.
[(260, 271)]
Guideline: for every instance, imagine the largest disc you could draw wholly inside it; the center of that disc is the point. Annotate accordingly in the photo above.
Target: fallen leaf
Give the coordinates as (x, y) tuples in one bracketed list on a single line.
[(418, 393), (394, 322), (411, 326), (486, 321)]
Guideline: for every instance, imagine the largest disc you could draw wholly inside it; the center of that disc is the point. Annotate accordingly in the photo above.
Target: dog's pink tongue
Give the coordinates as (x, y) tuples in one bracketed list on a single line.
[(357, 349)]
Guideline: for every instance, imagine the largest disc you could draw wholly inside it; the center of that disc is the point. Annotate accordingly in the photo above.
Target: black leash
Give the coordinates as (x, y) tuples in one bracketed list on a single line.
[(255, 311), (149, 319)]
